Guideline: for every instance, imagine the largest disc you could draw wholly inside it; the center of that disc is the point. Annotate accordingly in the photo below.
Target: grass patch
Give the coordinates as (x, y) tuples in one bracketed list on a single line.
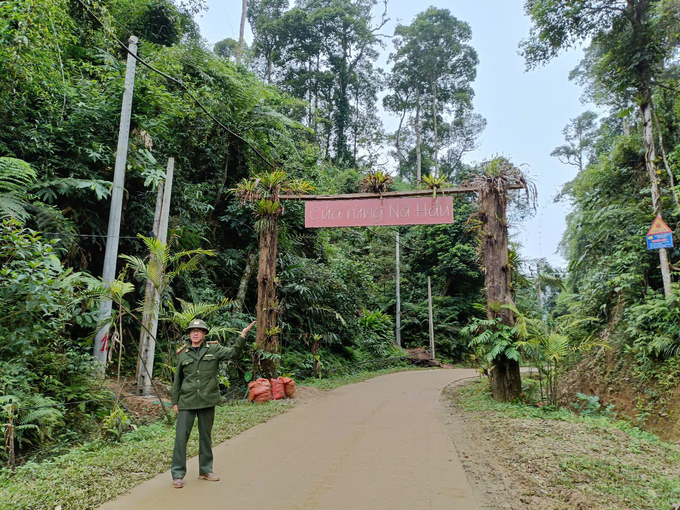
[(609, 462)]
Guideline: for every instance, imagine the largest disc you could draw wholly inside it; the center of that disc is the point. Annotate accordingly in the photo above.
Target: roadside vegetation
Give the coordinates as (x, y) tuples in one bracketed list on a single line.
[(577, 456)]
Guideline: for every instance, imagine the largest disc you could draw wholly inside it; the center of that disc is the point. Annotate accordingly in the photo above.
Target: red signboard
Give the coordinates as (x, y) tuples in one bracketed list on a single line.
[(376, 212)]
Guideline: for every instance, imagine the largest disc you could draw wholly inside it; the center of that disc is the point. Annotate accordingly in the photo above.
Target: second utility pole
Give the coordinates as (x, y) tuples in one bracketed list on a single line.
[(398, 314), (429, 308), (101, 341)]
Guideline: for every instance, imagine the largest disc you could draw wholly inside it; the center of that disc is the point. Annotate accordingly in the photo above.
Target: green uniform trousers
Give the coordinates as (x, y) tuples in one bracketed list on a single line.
[(185, 422)]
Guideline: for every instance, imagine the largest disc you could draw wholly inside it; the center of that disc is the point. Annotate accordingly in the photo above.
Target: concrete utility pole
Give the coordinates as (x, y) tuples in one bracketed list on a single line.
[(429, 306), (398, 314), (101, 341), (147, 339)]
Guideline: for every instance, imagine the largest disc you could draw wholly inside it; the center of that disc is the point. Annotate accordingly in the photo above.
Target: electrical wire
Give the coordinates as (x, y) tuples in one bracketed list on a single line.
[(178, 82), (399, 242), (88, 235)]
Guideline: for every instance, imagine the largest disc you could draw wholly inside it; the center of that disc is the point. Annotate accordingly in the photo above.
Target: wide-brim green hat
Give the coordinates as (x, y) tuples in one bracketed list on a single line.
[(198, 324)]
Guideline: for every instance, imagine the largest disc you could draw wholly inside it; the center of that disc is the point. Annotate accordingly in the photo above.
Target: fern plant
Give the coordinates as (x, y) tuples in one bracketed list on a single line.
[(496, 339), (16, 177), (27, 419)]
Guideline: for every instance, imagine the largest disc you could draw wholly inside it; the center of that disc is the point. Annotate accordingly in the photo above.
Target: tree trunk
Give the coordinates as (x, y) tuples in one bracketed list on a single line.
[(342, 118), (223, 183), (270, 65), (239, 51), (245, 279), (664, 156), (419, 159), (267, 340), (397, 144), (356, 128), (650, 158), (434, 119), (316, 94), (506, 384)]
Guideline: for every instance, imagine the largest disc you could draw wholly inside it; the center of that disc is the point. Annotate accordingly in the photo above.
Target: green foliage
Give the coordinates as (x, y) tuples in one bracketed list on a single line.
[(493, 339), (653, 327), (62, 77), (33, 418), (39, 363), (15, 177), (116, 424), (589, 405), (377, 333)]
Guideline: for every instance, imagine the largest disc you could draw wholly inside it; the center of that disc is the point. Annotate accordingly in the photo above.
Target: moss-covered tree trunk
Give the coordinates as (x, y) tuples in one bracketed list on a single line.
[(504, 377), (267, 339)]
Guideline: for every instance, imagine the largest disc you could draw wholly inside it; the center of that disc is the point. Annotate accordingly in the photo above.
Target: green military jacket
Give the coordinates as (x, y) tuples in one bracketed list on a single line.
[(196, 384)]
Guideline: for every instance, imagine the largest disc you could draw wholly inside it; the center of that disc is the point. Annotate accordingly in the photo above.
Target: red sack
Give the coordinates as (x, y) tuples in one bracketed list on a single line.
[(289, 386), (260, 391), (278, 388)]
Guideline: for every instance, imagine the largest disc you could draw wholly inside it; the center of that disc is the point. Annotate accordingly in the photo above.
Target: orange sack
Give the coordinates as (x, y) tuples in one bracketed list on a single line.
[(278, 388), (289, 386), (260, 391)]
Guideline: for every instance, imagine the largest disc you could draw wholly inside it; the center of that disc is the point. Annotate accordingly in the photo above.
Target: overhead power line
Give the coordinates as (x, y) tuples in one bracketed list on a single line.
[(179, 83), (68, 234)]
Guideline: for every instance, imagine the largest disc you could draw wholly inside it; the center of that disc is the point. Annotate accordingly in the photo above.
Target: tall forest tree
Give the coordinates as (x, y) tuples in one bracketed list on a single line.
[(580, 135), (631, 40), (433, 68), (320, 51), (264, 17)]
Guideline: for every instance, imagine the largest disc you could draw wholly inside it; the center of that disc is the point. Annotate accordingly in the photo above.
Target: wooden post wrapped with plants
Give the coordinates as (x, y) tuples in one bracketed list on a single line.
[(493, 181), (263, 193)]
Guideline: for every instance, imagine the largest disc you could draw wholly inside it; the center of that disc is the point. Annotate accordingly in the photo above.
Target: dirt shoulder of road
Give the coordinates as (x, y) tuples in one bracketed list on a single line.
[(521, 457)]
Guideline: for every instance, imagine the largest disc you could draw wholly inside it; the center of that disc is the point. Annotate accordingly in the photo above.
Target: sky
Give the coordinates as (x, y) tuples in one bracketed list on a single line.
[(525, 111)]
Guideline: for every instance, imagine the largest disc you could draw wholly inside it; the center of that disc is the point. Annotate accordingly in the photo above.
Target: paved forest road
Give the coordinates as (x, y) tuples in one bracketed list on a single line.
[(380, 444)]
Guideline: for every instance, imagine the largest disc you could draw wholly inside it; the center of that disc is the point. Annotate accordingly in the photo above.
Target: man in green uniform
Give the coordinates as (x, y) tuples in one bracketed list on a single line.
[(195, 393)]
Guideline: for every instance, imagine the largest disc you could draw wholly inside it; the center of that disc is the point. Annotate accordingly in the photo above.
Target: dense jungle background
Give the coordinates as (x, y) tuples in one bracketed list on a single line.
[(305, 98)]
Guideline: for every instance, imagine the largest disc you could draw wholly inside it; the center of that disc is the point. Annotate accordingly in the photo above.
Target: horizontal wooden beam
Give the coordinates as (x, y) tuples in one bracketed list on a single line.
[(388, 194)]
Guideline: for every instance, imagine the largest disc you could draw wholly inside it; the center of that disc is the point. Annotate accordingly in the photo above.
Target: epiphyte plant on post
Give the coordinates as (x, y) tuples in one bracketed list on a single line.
[(261, 193)]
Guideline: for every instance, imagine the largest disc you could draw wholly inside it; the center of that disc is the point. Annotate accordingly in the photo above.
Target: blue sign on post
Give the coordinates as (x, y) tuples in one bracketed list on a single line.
[(657, 241)]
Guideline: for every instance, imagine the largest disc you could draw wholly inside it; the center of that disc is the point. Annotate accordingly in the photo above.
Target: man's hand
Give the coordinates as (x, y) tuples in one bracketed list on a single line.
[(174, 408), (245, 330)]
